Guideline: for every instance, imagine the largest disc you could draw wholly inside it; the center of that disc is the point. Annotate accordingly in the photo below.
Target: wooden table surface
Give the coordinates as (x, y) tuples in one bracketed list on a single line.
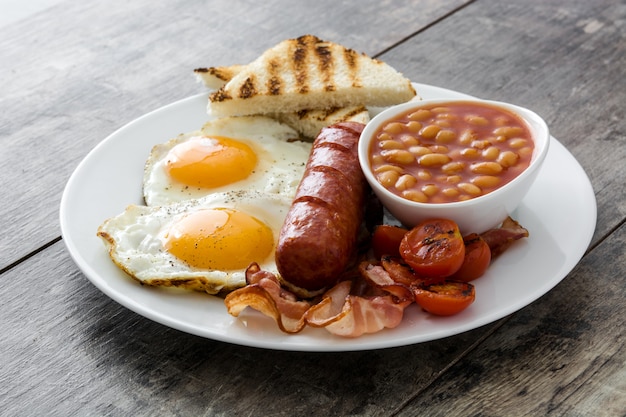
[(73, 73)]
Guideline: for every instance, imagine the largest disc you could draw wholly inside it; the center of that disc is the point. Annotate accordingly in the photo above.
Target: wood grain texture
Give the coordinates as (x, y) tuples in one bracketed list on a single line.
[(561, 59), (67, 87), (564, 355), (80, 353), (67, 349)]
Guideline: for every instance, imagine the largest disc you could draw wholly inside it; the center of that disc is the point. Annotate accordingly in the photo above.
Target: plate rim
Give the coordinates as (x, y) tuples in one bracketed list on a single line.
[(338, 344)]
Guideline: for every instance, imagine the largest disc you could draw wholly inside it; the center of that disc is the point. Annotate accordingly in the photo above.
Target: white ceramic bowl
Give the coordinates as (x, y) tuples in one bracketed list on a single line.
[(475, 215)]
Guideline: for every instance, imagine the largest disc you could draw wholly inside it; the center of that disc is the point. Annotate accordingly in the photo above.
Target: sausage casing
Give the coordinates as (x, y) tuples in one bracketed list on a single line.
[(319, 236)]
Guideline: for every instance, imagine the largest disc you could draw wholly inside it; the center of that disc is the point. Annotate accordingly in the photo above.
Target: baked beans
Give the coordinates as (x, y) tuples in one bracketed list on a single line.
[(452, 152)]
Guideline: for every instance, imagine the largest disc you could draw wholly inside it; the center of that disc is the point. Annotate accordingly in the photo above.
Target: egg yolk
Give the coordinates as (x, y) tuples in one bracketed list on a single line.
[(221, 239), (210, 162)]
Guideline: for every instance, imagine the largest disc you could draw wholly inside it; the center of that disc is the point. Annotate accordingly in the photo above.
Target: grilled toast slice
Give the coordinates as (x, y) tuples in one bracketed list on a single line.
[(217, 77), (309, 73), (307, 122)]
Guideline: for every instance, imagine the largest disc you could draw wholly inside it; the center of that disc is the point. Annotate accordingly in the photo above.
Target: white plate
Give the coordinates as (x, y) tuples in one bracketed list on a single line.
[(559, 212)]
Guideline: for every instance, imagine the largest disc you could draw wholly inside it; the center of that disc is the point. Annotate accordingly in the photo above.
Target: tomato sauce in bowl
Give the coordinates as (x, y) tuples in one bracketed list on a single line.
[(468, 160), (451, 152)]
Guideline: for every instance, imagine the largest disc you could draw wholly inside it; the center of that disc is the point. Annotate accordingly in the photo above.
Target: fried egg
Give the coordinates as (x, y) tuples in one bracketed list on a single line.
[(253, 153), (202, 244)]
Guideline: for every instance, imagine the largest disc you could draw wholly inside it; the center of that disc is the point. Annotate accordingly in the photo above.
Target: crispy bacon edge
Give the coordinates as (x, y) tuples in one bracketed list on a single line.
[(367, 302), (264, 293), (353, 308), (501, 238), (349, 309)]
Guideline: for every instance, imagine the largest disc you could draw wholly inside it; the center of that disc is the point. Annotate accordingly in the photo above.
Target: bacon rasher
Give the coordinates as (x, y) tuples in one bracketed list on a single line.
[(370, 300), (499, 239), (351, 308), (265, 294)]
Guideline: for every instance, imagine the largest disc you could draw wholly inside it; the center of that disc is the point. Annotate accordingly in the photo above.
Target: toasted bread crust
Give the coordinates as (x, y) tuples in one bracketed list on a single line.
[(306, 83), (308, 72), (303, 51), (216, 77), (307, 122)]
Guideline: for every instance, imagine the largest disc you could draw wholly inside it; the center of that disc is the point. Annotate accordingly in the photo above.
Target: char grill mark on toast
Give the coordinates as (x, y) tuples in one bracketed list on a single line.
[(274, 83), (300, 55), (329, 112), (302, 113), (352, 60), (248, 89), (325, 64), (332, 110), (354, 112), (325, 114), (220, 95), (220, 74), (273, 86), (216, 72)]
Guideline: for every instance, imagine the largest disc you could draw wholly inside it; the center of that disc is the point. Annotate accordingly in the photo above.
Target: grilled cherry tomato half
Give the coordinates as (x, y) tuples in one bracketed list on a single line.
[(477, 259), (446, 298), (434, 248), (386, 240)]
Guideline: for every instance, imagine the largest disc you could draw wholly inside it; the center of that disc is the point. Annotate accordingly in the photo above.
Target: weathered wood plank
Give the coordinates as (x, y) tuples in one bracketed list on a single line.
[(67, 349), (563, 355), (66, 86), (565, 60)]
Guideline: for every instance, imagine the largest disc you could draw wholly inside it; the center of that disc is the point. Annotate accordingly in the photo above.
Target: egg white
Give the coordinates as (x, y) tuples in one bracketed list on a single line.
[(280, 166), (134, 241)]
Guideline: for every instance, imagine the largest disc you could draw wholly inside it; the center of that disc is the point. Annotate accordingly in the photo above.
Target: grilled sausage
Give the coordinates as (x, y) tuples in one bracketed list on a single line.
[(318, 238)]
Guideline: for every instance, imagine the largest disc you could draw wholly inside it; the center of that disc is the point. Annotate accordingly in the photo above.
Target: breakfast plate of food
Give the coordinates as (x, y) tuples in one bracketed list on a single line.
[(129, 209)]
